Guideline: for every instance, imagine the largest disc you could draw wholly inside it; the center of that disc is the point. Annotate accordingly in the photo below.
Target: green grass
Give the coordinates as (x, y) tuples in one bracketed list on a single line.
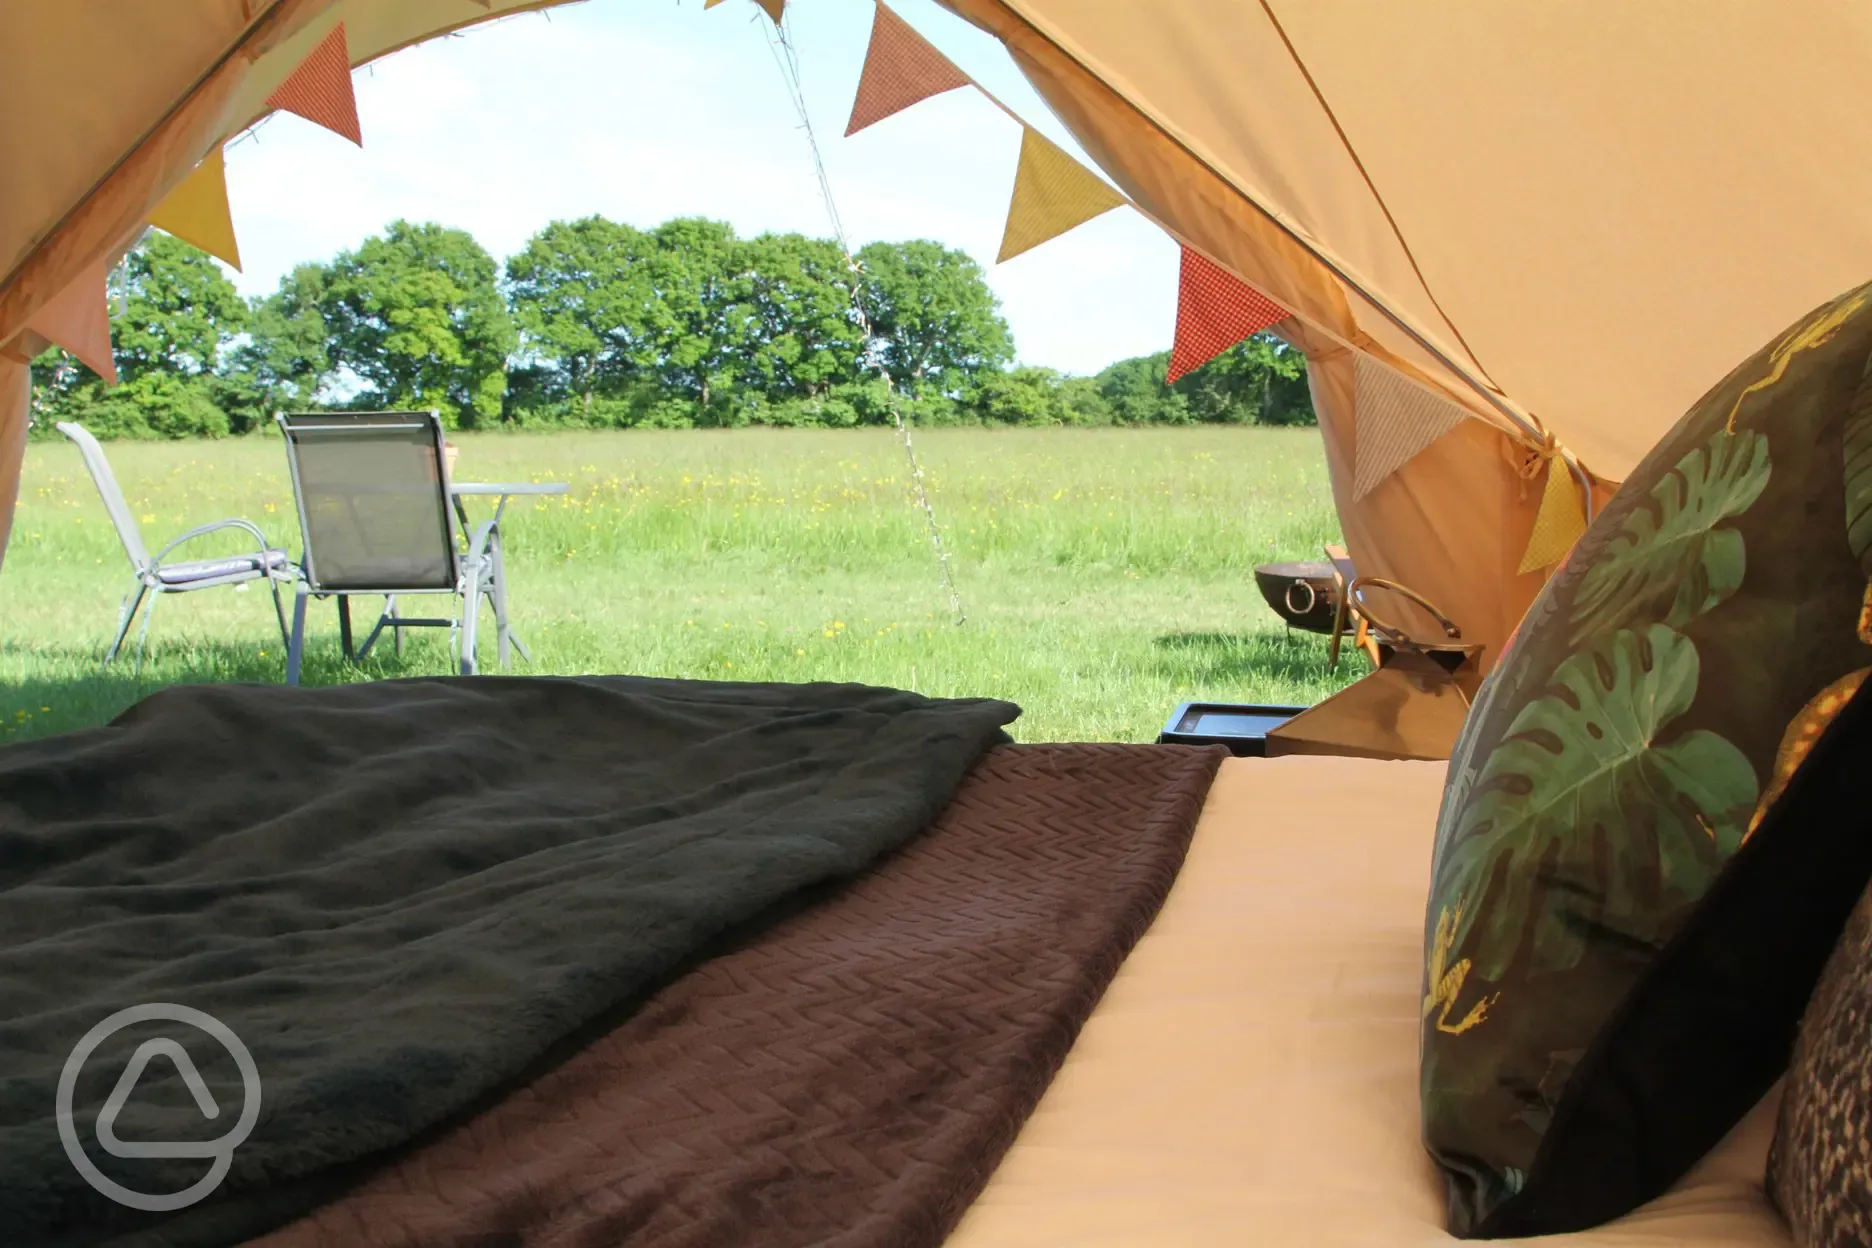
[(1106, 574)]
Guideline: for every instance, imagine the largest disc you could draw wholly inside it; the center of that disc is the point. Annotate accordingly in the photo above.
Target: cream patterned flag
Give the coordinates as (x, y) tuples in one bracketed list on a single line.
[(1396, 421)]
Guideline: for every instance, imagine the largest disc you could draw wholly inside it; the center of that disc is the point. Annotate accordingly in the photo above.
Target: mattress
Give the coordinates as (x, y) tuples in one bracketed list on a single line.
[(1251, 1074)]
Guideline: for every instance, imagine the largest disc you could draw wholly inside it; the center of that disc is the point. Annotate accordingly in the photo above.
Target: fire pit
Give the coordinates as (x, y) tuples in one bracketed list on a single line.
[(1303, 594)]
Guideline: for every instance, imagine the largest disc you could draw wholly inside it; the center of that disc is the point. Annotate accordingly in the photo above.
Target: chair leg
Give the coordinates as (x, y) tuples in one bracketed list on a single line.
[(498, 584), (470, 618), (149, 613), (131, 602), (295, 646), (279, 610), (396, 630), (344, 628)]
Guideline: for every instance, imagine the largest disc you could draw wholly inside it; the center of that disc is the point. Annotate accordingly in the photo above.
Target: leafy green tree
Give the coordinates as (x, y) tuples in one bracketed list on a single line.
[(1260, 382), (1021, 396), (804, 338), (416, 315), (1135, 392), (285, 360), (937, 325), (179, 314), (583, 297), (702, 313)]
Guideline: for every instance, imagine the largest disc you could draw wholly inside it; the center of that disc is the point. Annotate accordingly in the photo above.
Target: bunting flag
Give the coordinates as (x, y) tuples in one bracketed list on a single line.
[(1052, 194), (197, 211), (1395, 421), (78, 319), (776, 9), (901, 68), (1560, 521), (320, 89), (1215, 311)]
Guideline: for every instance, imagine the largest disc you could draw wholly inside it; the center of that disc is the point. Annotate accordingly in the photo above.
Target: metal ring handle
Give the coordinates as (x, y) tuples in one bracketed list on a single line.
[(1392, 632), (1312, 596)]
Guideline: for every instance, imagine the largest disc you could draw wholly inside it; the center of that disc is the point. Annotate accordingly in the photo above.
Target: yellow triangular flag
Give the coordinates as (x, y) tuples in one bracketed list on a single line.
[(197, 211), (775, 8), (1559, 522), (1052, 194)]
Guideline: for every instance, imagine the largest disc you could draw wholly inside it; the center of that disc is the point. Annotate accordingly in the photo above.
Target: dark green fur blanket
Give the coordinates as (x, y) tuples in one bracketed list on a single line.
[(399, 896)]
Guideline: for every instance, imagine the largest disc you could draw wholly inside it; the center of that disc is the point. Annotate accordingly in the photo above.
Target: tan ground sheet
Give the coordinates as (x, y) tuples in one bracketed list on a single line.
[(1250, 1076)]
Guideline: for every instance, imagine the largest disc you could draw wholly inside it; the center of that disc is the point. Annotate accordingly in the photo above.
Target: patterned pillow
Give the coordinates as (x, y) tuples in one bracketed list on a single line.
[(1661, 692), (1820, 1165)]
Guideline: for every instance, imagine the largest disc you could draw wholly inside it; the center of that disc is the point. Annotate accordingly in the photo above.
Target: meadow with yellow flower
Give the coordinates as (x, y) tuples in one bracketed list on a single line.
[(1106, 574)]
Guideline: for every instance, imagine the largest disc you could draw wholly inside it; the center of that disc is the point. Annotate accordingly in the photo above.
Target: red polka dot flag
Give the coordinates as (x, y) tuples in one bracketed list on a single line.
[(320, 89), (1215, 311)]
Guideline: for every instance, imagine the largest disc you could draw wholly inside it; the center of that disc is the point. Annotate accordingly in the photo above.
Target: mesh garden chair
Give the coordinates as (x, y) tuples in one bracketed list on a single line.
[(378, 518), (157, 574)]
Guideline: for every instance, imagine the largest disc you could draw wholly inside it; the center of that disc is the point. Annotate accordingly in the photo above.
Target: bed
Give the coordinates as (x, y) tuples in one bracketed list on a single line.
[(1113, 995), (1251, 1074)]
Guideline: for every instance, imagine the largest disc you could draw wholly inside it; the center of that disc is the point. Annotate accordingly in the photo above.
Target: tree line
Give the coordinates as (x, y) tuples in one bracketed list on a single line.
[(597, 324)]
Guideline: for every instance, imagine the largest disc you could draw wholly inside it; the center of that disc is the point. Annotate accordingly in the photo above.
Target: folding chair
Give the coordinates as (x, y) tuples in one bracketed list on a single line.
[(1345, 610), (378, 517), (153, 576)]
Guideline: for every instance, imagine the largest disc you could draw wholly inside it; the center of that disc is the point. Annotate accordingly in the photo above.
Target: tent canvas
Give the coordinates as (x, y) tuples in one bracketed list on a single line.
[(1567, 223)]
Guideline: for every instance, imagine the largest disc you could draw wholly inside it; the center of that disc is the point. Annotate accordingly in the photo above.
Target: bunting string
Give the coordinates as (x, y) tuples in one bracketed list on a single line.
[(1053, 193), (780, 43)]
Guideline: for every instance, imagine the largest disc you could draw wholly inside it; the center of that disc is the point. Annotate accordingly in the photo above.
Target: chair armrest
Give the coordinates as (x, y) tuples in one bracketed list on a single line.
[(206, 529), (484, 536)]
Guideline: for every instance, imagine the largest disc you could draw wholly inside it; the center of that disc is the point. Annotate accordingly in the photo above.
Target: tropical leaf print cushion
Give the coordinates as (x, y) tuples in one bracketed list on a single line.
[(1658, 697)]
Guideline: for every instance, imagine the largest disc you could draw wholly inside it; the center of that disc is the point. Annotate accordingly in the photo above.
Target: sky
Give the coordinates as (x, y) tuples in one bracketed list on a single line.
[(643, 110)]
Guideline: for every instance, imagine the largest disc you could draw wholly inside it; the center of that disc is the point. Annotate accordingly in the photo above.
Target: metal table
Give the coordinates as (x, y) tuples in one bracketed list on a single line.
[(458, 490)]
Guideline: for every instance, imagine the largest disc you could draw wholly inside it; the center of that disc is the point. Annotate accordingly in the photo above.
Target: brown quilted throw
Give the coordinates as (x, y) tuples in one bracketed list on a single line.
[(851, 1075)]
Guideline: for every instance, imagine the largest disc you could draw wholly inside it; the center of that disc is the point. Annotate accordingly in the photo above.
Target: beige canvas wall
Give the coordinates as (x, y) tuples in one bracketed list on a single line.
[(15, 407)]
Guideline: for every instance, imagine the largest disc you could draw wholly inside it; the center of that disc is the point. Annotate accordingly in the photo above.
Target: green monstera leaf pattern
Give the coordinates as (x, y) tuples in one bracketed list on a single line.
[(1581, 771), (1670, 561), (1858, 447)]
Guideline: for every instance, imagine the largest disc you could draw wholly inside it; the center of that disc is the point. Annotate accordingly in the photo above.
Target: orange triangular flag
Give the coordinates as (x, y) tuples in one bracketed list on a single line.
[(197, 211), (1559, 522), (320, 89), (1215, 311), (776, 9), (78, 319), (1052, 194), (901, 68)]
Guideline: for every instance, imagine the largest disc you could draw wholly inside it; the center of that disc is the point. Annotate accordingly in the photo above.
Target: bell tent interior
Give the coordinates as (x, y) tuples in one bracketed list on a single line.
[(1449, 209)]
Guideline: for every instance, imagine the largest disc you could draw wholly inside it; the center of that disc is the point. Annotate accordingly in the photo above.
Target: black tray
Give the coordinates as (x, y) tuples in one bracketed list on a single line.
[(1241, 726)]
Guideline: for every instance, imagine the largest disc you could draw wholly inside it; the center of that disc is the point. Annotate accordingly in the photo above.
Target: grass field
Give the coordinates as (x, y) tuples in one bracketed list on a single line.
[(1106, 574)]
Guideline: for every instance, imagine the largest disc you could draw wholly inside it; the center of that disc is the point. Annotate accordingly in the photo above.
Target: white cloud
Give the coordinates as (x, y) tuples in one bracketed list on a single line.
[(643, 111)]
